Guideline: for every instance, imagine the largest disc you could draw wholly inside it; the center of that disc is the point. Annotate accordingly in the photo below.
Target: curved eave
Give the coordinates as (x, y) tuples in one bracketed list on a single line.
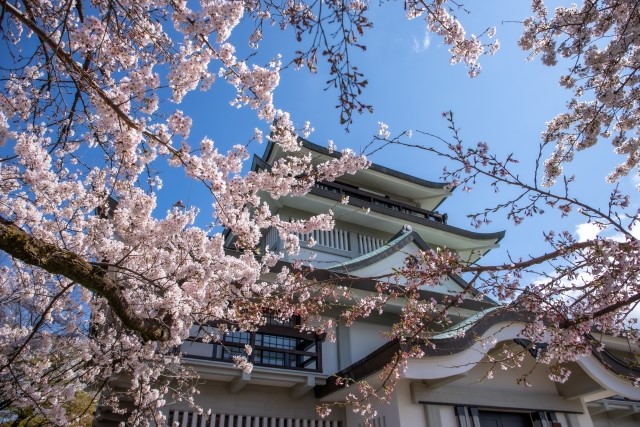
[(496, 236), (367, 284), (427, 194), (394, 245), (465, 346), (269, 156), (470, 245)]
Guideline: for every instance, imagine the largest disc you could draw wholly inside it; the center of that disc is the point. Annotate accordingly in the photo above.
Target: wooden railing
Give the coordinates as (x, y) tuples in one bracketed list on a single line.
[(193, 419), (377, 200), (337, 239), (374, 422), (271, 239)]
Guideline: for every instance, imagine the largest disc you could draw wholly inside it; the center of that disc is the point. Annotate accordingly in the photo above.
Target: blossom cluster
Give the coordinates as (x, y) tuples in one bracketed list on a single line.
[(598, 43), (440, 20)]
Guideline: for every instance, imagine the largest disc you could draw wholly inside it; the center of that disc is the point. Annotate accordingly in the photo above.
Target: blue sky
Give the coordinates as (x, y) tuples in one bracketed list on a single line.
[(410, 84)]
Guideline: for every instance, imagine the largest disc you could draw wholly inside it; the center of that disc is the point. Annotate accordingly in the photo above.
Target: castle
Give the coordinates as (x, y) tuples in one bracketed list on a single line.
[(389, 216)]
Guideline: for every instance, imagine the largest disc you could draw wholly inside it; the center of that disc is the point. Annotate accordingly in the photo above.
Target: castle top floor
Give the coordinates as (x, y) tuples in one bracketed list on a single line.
[(377, 181), (381, 202)]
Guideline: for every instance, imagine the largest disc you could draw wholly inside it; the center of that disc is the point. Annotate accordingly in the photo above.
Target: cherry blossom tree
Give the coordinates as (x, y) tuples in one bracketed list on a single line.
[(91, 290), (579, 289), (594, 283)]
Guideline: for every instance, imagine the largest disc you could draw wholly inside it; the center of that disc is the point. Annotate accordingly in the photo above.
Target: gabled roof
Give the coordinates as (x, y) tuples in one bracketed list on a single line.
[(395, 244), (404, 244)]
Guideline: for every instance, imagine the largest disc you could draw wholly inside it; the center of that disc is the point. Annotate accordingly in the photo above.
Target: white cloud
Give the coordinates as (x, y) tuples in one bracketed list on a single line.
[(421, 45), (619, 237), (587, 231)]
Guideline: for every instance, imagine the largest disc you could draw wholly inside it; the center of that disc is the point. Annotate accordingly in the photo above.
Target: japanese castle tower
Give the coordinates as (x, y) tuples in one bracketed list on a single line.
[(390, 215)]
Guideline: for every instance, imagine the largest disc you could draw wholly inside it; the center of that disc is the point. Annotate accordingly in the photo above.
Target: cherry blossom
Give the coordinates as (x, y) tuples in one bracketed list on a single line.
[(597, 39), (94, 290)]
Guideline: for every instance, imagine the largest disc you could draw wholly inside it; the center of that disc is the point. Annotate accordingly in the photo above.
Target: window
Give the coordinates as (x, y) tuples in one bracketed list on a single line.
[(279, 343), (471, 416), (504, 419)]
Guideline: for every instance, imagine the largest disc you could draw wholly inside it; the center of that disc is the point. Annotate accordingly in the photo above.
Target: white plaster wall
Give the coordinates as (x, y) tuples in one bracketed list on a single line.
[(487, 375), (365, 337), (330, 352), (409, 413), (448, 416), (352, 419), (562, 419), (386, 415), (579, 420), (440, 416), (383, 417)]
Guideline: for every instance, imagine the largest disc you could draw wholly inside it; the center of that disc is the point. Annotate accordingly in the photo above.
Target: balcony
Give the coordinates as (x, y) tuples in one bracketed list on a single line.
[(274, 345), (344, 244), (341, 190)]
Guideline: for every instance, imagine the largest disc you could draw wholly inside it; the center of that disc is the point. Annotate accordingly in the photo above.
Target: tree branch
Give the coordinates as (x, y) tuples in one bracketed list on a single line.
[(602, 312), (532, 261), (85, 77), (33, 251)]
